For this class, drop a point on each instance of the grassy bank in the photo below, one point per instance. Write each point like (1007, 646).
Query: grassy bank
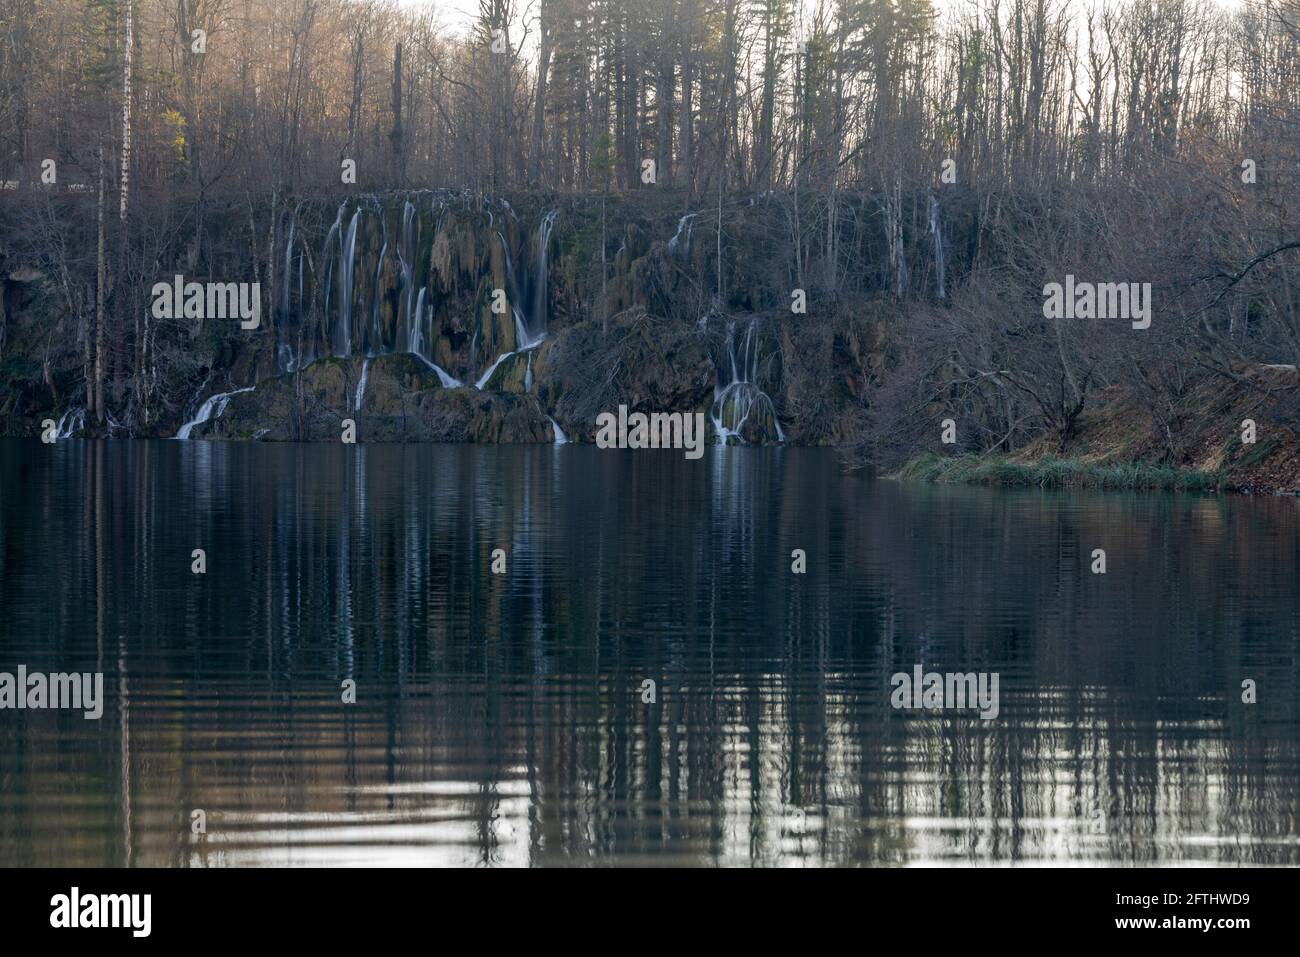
(1052, 472)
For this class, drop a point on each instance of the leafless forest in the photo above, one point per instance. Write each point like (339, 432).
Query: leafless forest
(936, 166)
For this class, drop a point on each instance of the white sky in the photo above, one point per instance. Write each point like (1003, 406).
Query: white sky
(457, 15)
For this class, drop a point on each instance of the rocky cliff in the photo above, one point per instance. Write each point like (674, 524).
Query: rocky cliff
(433, 316)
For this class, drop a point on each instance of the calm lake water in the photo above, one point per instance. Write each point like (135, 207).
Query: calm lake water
(499, 718)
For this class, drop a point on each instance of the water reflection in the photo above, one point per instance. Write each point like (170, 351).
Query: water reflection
(499, 718)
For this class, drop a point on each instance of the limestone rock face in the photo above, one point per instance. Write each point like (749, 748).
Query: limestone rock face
(646, 364)
(402, 400)
(426, 295)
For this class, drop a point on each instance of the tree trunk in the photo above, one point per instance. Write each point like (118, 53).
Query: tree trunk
(128, 43)
(686, 149)
(604, 272)
(95, 389)
(664, 121)
(395, 136)
(539, 102)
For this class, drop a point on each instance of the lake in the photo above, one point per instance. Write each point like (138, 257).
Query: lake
(509, 718)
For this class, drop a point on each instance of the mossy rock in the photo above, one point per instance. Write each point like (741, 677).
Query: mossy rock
(403, 401)
(512, 374)
(746, 411)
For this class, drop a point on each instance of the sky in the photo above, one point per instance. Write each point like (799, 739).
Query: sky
(458, 14)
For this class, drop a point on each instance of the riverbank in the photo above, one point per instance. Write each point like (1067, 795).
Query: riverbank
(1233, 432)
(1053, 472)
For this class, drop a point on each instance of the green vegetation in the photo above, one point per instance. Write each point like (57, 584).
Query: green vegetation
(1052, 472)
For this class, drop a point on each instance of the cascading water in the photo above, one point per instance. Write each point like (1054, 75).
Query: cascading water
(529, 331)
(286, 355)
(448, 381)
(69, 423)
(543, 274)
(376, 335)
(421, 340)
(415, 333)
(343, 303)
(415, 343)
(211, 409)
(486, 376)
(687, 222)
(361, 385)
(736, 394)
(114, 425)
(406, 270)
(342, 338)
(328, 257)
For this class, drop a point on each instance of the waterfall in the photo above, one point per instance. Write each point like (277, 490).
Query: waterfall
(687, 222)
(530, 329)
(376, 334)
(483, 379)
(938, 245)
(69, 423)
(418, 346)
(528, 334)
(415, 341)
(328, 256)
(342, 338)
(323, 317)
(114, 425)
(448, 381)
(406, 261)
(523, 336)
(739, 395)
(538, 323)
(306, 352)
(361, 385)
(284, 357)
(199, 391)
(283, 351)
(211, 409)
(512, 290)
(341, 304)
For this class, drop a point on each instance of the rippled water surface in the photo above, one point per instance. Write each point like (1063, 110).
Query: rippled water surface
(499, 718)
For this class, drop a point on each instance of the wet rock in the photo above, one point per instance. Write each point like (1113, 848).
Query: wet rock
(646, 364)
(403, 400)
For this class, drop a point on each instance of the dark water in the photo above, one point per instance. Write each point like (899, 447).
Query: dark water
(499, 718)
